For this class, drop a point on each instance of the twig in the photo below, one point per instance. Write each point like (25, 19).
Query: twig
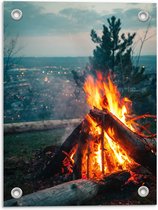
(142, 116)
(142, 42)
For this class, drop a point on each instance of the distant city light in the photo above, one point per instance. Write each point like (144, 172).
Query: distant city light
(46, 79)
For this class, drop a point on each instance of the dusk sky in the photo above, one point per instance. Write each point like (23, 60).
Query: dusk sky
(63, 29)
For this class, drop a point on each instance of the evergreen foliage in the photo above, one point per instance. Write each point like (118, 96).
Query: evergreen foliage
(113, 52)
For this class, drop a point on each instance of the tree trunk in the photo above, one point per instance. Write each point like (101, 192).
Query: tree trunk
(71, 193)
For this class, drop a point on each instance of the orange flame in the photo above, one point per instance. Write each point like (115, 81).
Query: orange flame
(103, 94)
(101, 154)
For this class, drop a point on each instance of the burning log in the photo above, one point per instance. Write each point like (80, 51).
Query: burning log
(78, 145)
(111, 141)
(71, 193)
(55, 165)
(139, 149)
(77, 169)
(102, 145)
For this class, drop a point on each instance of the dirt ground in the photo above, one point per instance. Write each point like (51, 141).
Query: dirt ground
(29, 180)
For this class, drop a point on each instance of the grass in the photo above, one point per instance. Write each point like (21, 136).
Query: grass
(24, 144)
(18, 151)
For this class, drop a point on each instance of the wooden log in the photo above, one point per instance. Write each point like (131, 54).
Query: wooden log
(55, 165)
(88, 160)
(102, 145)
(10, 128)
(77, 169)
(135, 146)
(71, 193)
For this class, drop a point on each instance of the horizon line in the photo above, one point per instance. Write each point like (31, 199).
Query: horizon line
(69, 56)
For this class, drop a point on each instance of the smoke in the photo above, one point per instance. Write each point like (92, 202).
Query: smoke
(68, 130)
(61, 97)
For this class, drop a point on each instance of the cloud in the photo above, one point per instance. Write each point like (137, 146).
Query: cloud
(35, 22)
(66, 30)
(129, 18)
(134, 22)
(81, 16)
(70, 20)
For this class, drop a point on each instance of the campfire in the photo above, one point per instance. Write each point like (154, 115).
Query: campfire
(102, 155)
(110, 138)
(109, 149)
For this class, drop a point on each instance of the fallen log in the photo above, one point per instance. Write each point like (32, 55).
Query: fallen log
(71, 193)
(138, 148)
(10, 128)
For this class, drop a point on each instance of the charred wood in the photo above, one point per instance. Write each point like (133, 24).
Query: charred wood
(54, 166)
(139, 149)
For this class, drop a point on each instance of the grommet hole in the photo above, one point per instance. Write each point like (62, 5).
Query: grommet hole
(143, 191)
(16, 192)
(143, 16)
(16, 14)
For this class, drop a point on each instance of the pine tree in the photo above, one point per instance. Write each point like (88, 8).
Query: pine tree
(113, 50)
(113, 53)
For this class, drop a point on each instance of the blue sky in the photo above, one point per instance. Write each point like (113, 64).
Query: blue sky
(63, 29)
